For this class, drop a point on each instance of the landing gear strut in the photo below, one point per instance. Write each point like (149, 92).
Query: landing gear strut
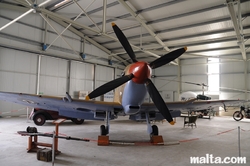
(104, 130)
(152, 130)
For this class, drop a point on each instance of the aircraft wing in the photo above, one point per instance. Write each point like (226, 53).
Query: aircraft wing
(66, 106)
(195, 105)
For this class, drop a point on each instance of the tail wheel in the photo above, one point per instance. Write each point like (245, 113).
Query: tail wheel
(39, 119)
(238, 115)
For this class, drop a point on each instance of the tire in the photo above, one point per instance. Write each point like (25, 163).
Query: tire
(77, 121)
(39, 119)
(103, 130)
(155, 130)
(238, 115)
(200, 116)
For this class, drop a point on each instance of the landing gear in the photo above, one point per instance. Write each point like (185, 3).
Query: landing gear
(103, 139)
(104, 130)
(152, 130)
(155, 130)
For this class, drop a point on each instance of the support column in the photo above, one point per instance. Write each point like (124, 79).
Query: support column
(38, 74)
(179, 78)
(246, 78)
(69, 77)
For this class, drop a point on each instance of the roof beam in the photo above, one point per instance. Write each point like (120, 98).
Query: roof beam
(104, 16)
(24, 14)
(239, 33)
(83, 10)
(78, 33)
(143, 24)
(57, 16)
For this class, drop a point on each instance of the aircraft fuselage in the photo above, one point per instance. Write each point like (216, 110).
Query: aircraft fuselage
(134, 92)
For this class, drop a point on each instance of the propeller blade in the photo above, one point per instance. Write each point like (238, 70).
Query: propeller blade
(167, 58)
(109, 86)
(159, 102)
(124, 41)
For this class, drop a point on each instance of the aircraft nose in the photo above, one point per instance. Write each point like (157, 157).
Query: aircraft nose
(141, 72)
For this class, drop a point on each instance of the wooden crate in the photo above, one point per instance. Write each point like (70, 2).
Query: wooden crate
(44, 154)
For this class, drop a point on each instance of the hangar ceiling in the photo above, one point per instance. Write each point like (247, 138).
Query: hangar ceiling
(214, 28)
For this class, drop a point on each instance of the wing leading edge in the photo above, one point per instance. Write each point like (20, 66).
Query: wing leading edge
(196, 105)
(74, 108)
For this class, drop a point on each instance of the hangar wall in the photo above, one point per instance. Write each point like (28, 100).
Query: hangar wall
(234, 74)
(26, 68)
(21, 47)
(19, 72)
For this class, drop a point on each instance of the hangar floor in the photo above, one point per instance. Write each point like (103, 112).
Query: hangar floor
(218, 136)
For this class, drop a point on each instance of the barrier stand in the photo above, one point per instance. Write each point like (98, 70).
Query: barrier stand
(53, 148)
(33, 139)
(239, 141)
(57, 122)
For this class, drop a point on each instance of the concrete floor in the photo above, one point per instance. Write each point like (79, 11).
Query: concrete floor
(209, 141)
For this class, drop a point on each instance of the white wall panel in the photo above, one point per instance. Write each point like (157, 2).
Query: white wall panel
(18, 73)
(232, 81)
(248, 81)
(232, 96)
(53, 79)
(166, 70)
(7, 59)
(6, 83)
(81, 77)
(232, 67)
(194, 69)
(190, 66)
(118, 73)
(25, 83)
(195, 79)
(165, 83)
(104, 74)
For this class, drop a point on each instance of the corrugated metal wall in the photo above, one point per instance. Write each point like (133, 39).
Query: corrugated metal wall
(232, 75)
(19, 73)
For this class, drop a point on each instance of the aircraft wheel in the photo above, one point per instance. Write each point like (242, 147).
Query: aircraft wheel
(39, 119)
(77, 121)
(155, 130)
(238, 115)
(103, 130)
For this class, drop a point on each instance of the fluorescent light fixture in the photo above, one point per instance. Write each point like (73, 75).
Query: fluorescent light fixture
(61, 3)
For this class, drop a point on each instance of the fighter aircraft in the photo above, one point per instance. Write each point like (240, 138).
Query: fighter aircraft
(132, 88)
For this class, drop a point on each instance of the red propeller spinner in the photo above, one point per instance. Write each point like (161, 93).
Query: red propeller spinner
(141, 71)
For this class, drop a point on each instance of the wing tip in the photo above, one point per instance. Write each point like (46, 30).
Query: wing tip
(113, 24)
(185, 48)
(87, 98)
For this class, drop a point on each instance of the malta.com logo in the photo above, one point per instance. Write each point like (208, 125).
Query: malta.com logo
(210, 159)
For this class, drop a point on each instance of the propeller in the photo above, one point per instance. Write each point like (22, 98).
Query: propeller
(153, 92)
(109, 86)
(167, 58)
(158, 101)
(124, 41)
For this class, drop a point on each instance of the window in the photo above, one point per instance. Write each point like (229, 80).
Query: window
(213, 76)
